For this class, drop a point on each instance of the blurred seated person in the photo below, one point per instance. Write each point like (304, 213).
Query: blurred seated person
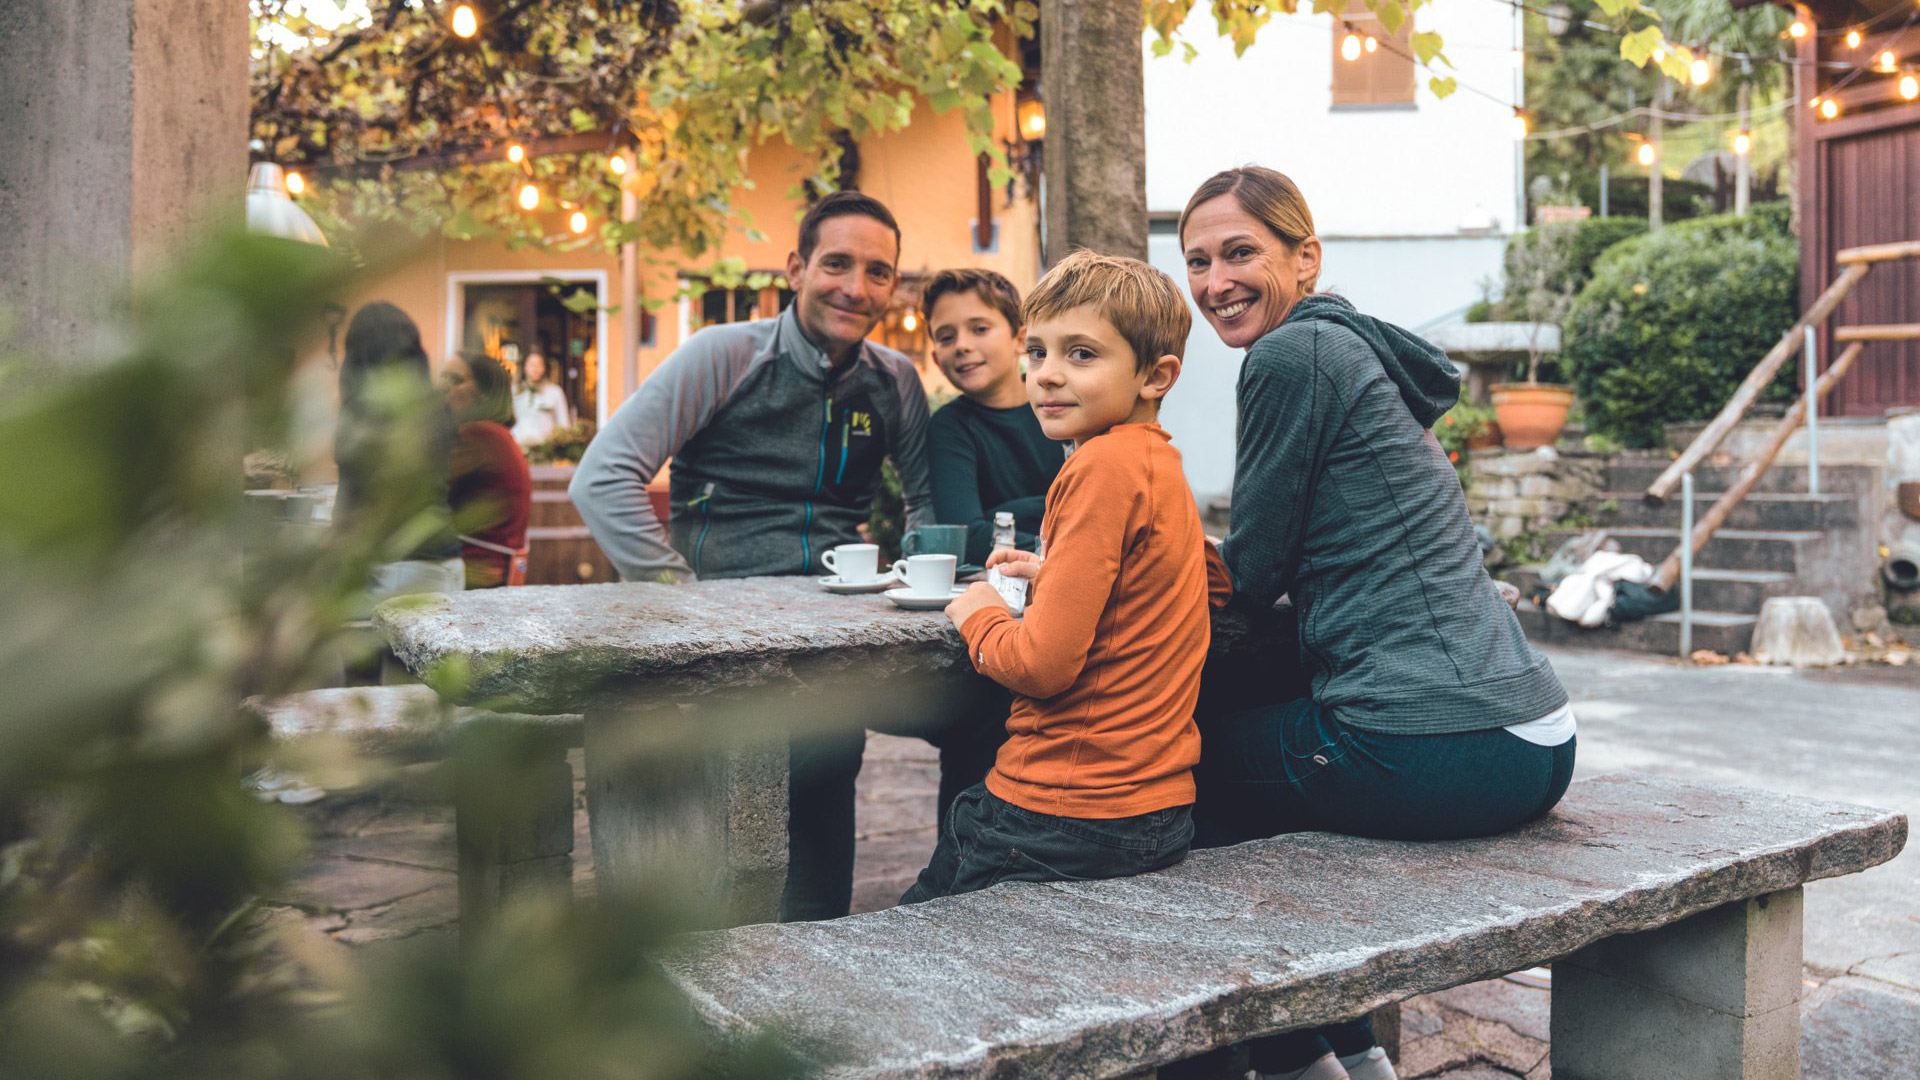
(985, 450)
(393, 448)
(491, 490)
(539, 407)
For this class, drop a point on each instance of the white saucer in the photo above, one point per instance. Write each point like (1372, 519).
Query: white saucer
(833, 584)
(913, 601)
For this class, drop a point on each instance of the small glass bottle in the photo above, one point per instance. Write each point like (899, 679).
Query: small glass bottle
(1003, 534)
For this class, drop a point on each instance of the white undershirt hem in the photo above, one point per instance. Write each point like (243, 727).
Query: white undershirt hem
(1550, 730)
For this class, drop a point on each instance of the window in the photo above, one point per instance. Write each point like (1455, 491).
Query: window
(1383, 76)
(717, 306)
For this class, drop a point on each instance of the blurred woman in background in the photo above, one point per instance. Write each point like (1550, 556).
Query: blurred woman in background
(539, 407)
(491, 488)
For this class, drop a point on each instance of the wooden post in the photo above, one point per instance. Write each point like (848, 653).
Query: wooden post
(1096, 175)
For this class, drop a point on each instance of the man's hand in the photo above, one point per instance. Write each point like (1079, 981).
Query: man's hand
(978, 596)
(1015, 563)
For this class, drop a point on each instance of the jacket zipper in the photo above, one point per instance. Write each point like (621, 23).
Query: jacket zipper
(819, 481)
(840, 476)
(705, 503)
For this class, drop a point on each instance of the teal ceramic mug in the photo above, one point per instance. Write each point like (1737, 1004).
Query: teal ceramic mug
(936, 540)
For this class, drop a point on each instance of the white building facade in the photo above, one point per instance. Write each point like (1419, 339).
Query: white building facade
(1413, 196)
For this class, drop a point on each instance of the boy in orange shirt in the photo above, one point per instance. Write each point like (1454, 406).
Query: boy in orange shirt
(1096, 777)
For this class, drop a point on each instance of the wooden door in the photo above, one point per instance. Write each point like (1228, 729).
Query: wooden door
(1869, 193)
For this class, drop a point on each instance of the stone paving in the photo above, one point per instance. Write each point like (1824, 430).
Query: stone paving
(383, 865)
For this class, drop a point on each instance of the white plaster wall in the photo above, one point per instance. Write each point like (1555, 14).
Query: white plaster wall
(1432, 169)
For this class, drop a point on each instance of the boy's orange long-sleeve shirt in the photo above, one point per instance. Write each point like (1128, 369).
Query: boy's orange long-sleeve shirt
(1105, 668)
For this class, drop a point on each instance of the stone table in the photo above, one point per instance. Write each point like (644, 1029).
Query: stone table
(690, 692)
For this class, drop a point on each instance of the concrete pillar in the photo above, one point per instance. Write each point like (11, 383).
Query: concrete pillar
(513, 798)
(677, 811)
(1712, 997)
(125, 134)
(1096, 158)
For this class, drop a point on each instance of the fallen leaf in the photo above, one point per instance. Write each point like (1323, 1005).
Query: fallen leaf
(1708, 658)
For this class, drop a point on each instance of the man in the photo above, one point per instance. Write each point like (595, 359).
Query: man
(777, 430)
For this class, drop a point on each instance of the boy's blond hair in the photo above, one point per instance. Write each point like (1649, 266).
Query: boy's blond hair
(1142, 303)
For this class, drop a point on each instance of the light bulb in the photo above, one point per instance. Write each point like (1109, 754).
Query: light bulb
(1350, 47)
(466, 21)
(1798, 29)
(1699, 71)
(1742, 143)
(1659, 54)
(1646, 154)
(1888, 62)
(516, 153)
(529, 197)
(1853, 39)
(296, 183)
(1909, 87)
(578, 222)
(1829, 108)
(1371, 43)
(909, 322)
(617, 165)
(1519, 125)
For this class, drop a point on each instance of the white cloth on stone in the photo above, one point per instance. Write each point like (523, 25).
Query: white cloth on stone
(1586, 595)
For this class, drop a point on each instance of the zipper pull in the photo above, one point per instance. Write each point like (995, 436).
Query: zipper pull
(706, 492)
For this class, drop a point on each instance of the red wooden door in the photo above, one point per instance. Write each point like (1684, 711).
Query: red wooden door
(1869, 193)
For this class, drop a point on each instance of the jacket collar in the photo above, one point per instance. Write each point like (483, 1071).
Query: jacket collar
(794, 344)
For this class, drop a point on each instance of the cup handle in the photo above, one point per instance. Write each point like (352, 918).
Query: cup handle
(910, 543)
(826, 560)
(900, 570)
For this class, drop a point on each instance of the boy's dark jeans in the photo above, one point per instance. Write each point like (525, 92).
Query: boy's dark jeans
(1292, 767)
(985, 840)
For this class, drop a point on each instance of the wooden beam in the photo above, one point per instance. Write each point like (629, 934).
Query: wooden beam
(1716, 432)
(1703, 529)
(1906, 332)
(1905, 249)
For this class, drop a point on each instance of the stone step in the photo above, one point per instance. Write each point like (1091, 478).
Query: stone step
(1737, 591)
(1634, 473)
(1730, 549)
(1759, 510)
(1721, 631)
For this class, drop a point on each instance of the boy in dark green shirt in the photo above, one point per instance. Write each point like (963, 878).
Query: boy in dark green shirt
(985, 450)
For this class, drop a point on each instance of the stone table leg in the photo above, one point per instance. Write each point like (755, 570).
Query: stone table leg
(513, 819)
(673, 808)
(1712, 997)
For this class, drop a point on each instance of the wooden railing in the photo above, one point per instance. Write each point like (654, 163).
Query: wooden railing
(1856, 262)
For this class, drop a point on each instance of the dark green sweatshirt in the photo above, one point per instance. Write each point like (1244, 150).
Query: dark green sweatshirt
(1344, 501)
(981, 461)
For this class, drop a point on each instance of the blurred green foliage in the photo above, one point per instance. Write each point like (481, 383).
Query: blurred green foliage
(146, 598)
(1672, 322)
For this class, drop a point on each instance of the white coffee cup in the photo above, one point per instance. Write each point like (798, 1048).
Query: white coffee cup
(927, 575)
(853, 562)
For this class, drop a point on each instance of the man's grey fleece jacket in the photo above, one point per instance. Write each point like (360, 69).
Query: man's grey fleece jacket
(776, 457)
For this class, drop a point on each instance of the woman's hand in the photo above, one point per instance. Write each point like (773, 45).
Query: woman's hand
(978, 596)
(1014, 563)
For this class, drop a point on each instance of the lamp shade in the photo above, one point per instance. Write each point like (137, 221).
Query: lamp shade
(271, 211)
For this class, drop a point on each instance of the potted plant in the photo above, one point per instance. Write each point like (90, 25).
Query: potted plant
(1532, 413)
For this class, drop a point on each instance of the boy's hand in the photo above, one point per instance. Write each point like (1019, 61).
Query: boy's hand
(978, 596)
(1015, 564)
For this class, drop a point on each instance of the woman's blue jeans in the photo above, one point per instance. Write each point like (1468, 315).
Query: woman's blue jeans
(1292, 767)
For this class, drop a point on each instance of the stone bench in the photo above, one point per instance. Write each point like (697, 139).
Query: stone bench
(513, 787)
(1670, 911)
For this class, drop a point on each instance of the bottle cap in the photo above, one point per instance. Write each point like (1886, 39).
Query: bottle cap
(1004, 518)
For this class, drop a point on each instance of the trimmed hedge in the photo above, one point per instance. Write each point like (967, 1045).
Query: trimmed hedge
(1671, 322)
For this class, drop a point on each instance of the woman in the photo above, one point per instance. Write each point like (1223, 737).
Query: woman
(392, 447)
(1430, 717)
(539, 407)
(491, 490)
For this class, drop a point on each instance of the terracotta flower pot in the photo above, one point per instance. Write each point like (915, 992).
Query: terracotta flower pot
(1487, 437)
(1531, 414)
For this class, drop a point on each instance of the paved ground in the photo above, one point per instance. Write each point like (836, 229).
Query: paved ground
(384, 866)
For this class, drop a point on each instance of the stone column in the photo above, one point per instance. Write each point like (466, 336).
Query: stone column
(513, 798)
(1712, 997)
(126, 133)
(1096, 159)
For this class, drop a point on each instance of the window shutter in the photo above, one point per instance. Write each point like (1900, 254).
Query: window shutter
(1384, 76)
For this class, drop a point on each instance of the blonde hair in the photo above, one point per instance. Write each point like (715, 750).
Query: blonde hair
(1269, 196)
(1139, 301)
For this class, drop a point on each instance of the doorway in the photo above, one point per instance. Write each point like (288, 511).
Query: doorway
(510, 315)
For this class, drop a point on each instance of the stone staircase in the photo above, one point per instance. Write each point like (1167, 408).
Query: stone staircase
(1780, 541)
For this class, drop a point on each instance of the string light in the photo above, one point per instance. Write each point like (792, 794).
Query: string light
(296, 184)
(1371, 43)
(1350, 46)
(1659, 55)
(1519, 125)
(516, 153)
(1646, 155)
(578, 222)
(1798, 29)
(1742, 143)
(1699, 71)
(1829, 108)
(909, 322)
(1909, 87)
(1853, 39)
(1888, 62)
(617, 165)
(466, 21)
(529, 197)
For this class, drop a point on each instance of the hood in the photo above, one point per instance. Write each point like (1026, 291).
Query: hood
(1427, 380)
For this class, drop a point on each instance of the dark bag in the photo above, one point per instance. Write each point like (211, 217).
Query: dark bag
(1633, 601)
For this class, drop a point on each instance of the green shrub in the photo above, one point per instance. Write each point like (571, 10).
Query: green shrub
(1567, 269)
(1671, 322)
